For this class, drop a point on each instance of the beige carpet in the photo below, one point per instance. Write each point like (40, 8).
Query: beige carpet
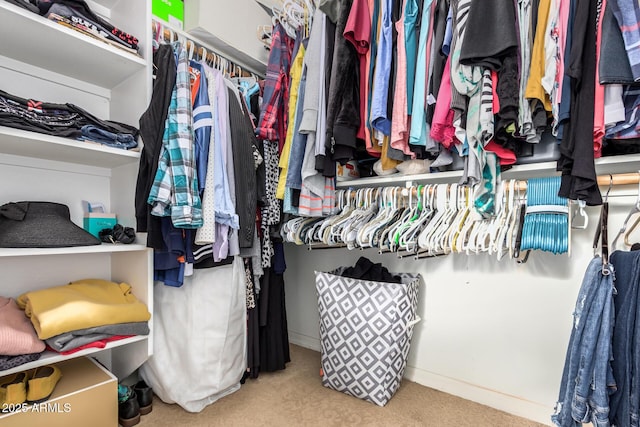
(296, 397)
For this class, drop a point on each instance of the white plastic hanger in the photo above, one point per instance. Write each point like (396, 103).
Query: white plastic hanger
(424, 239)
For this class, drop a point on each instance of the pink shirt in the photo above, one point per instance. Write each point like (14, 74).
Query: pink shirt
(442, 129)
(563, 18)
(357, 30)
(400, 115)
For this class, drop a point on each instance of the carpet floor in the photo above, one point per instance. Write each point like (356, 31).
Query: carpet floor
(296, 397)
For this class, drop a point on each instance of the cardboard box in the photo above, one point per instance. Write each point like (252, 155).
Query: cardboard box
(170, 11)
(86, 395)
(95, 222)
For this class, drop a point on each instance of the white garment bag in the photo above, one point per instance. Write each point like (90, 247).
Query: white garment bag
(199, 337)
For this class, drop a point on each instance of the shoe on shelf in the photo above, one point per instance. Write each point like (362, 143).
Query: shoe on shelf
(128, 407)
(13, 390)
(42, 383)
(145, 397)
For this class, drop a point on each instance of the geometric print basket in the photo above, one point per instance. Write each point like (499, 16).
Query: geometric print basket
(365, 333)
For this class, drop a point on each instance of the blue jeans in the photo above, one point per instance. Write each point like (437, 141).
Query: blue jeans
(587, 378)
(117, 140)
(626, 351)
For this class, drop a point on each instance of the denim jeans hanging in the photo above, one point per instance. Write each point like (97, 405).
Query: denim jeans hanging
(587, 378)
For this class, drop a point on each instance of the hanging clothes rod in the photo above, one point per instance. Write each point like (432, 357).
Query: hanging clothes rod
(630, 178)
(604, 180)
(232, 68)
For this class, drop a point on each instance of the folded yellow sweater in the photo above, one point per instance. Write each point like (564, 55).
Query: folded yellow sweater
(81, 304)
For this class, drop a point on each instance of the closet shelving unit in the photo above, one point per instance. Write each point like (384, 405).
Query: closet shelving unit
(604, 165)
(42, 60)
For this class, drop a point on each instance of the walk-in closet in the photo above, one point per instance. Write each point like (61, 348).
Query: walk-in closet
(319, 212)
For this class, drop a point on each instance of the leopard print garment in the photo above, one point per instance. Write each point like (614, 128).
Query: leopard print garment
(270, 212)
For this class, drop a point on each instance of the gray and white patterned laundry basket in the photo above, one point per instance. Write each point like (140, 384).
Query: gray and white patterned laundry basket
(365, 333)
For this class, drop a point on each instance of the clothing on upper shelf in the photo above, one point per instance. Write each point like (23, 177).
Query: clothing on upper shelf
(81, 15)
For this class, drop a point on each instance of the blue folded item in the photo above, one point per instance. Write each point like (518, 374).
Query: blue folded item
(126, 141)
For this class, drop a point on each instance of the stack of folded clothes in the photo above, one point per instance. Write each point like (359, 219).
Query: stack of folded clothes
(85, 313)
(19, 343)
(77, 15)
(64, 120)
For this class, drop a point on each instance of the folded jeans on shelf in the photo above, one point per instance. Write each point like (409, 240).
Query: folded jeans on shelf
(125, 141)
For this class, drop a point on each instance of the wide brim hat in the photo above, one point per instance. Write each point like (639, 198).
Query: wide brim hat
(40, 225)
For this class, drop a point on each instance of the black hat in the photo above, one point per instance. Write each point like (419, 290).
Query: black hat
(40, 225)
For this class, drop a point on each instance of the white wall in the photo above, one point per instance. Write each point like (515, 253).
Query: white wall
(495, 332)
(230, 26)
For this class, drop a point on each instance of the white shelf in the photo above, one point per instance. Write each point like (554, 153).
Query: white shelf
(604, 165)
(49, 357)
(44, 60)
(41, 146)
(76, 250)
(33, 39)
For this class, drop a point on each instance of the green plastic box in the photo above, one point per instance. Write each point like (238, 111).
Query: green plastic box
(171, 11)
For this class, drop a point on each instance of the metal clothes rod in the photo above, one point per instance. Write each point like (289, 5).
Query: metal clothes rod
(603, 181)
(202, 49)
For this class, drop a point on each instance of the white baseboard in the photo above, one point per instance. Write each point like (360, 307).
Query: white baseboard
(494, 399)
(305, 341)
(514, 405)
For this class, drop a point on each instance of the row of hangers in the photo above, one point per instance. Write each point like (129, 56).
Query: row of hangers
(292, 15)
(419, 222)
(434, 220)
(197, 51)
